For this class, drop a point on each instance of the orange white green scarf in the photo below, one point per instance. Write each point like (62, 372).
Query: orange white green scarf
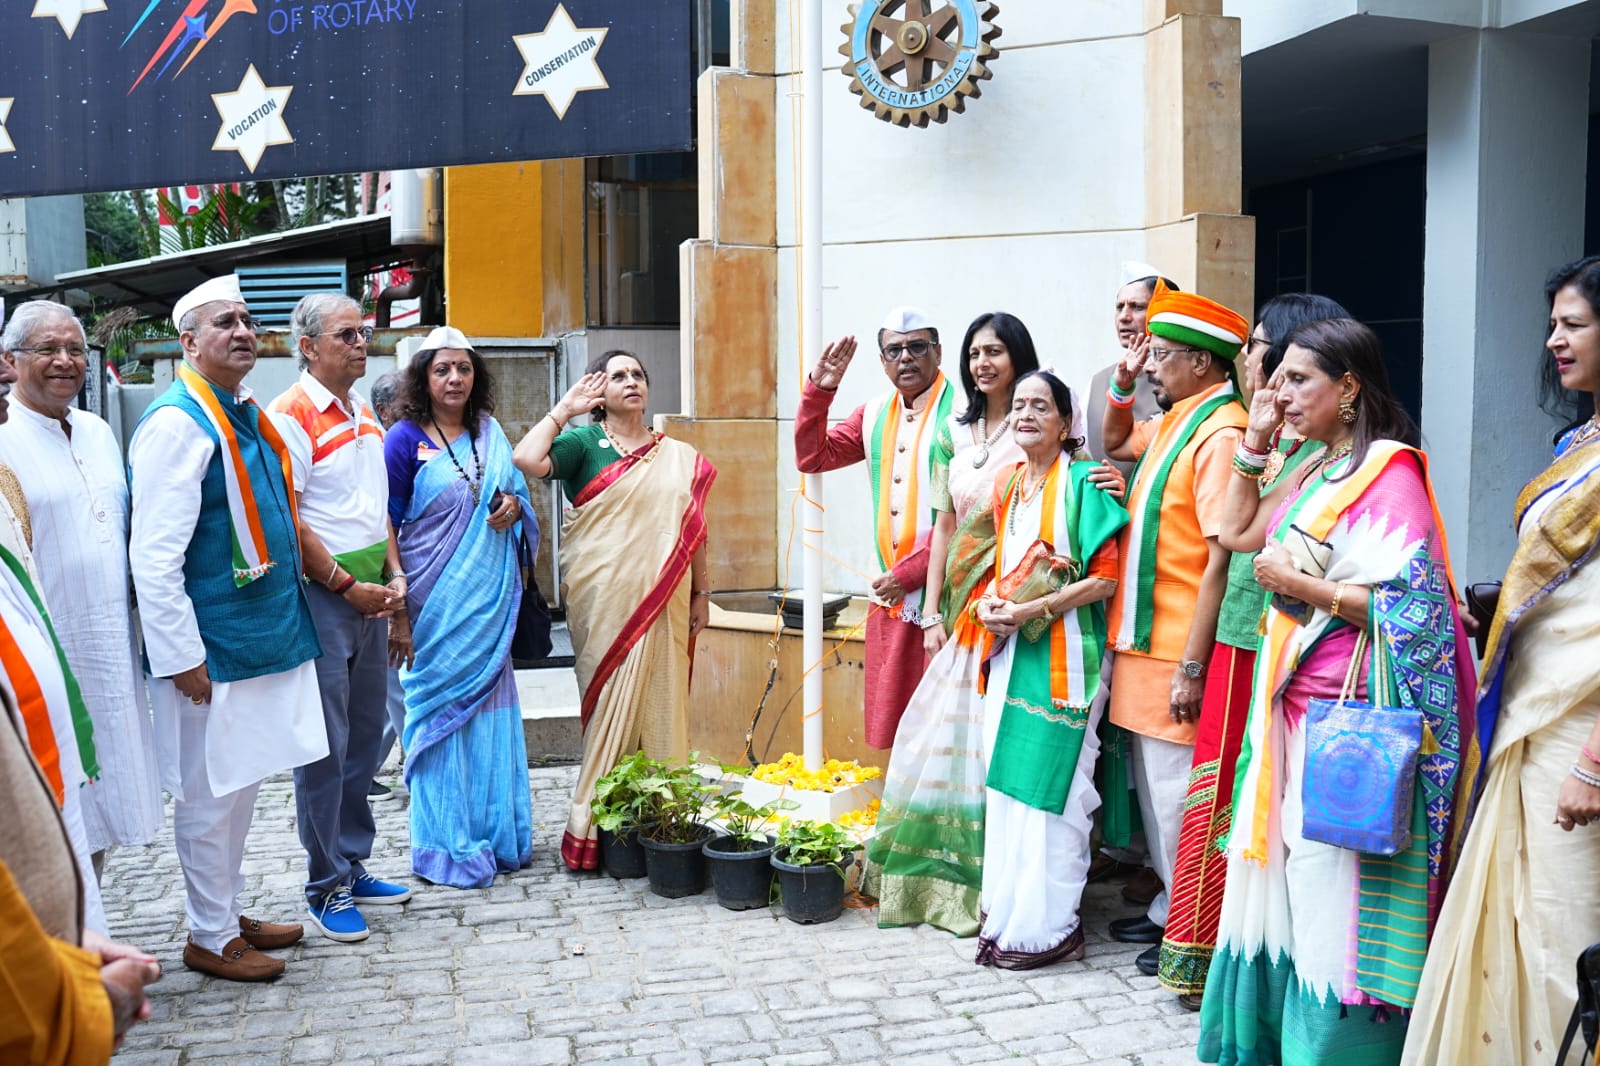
(250, 556)
(883, 422)
(1146, 488)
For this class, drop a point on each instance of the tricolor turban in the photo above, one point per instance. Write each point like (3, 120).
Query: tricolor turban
(1195, 322)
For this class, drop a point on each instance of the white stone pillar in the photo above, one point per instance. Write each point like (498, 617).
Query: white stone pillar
(1507, 147)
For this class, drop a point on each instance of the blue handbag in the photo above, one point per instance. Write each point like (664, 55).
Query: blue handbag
(1361, 766)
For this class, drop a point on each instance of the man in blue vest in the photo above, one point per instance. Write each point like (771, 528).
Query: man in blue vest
(216, 565)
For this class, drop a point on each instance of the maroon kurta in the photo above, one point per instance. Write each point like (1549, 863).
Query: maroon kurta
(894, 659)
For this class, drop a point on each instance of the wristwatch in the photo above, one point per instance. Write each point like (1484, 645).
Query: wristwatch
(1193, 670)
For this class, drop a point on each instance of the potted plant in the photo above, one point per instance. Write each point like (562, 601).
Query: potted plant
(672, 832)
(620, 799)
(738, 858)
(809, 858)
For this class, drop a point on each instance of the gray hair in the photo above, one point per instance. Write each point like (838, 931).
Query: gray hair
(385, 390)
(29, 316)
(311, 316)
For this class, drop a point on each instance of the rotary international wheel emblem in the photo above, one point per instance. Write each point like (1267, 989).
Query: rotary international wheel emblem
(911, 65)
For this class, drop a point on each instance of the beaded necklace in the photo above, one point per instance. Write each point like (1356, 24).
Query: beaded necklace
(476, 487)
(655, 438)
(986, 440)
(1020, 496)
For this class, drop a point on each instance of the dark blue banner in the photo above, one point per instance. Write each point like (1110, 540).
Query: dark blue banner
(123, 94)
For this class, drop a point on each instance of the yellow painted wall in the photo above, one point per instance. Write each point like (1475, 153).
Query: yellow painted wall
(493, 252)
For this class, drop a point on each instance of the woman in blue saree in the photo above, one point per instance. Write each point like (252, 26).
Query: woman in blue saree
(456, 502)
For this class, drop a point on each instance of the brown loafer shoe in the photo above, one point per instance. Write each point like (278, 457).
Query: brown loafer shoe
(268, 936)
(1190, 1001)
(238, 962)
(1142, 888)
(1103, 866)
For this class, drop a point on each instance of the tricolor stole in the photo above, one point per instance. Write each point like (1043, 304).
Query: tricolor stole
(1146, 488)
(250, 556)
(896, 535)
(31, 707)
(1053, 681)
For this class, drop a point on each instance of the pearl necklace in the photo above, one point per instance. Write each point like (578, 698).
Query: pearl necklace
(1020, 496)
(987, 440)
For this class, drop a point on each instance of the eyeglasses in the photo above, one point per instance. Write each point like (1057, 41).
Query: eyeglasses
(1161, 355)
(74, 352)
(916, 349)
(350, 335)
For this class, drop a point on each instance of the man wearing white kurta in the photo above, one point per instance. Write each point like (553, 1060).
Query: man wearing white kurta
(229, 638)
(69, 466)
(336, 450)
(31, 665)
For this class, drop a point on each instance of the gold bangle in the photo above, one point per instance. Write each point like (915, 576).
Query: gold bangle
(1338, 594)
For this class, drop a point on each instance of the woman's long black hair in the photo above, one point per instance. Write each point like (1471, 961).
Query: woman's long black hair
(1018, 341)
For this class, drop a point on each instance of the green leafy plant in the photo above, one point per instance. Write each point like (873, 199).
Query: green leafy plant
(623, 796)
(674, 803)
(744, 823)
(813, 844)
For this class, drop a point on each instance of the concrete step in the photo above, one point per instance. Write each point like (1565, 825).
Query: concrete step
(550, 721)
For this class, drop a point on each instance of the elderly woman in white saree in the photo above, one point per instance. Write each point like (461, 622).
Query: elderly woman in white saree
(1055, 566)
(633, 574)
(1499, 981)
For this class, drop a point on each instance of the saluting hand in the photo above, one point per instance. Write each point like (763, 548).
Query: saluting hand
(1266, 409)
(585, 394)
(1133, 361)
(833, 362)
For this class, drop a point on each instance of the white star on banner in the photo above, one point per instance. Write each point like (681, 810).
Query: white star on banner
(252, 118)
(66, 12)
(5, 113)
(561, 61)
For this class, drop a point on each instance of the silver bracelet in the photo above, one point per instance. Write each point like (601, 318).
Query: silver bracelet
(931, 619)
(1585, 776)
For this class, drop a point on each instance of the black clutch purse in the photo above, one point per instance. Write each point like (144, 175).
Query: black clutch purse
(1483, 599)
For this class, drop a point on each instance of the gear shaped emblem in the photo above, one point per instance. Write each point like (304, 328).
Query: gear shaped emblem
(911, 65)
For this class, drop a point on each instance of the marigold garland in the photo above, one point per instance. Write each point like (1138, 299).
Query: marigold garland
(830, 777)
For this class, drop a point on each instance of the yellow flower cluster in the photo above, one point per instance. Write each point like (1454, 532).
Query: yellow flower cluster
(860, 817)
(832, 776)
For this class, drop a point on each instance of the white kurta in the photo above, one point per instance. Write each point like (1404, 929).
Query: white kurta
(33, 640)
(77, 497)
(255, 727)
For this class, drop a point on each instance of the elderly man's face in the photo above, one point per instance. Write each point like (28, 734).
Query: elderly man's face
(50, 365)
(222, 345)
(332, 361)
(910, 360)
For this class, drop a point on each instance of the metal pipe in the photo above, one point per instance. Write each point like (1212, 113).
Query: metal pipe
(811, 512)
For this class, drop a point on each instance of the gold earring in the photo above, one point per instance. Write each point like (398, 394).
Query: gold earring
(1347, 410)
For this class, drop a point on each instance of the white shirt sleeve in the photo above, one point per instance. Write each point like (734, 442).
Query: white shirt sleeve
(167, 457)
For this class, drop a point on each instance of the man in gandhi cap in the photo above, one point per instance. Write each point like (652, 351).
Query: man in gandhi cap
(216, 566)
(1133, 302)
(894, 434)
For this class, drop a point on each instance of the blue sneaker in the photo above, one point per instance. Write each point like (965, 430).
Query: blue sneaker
(371, 891)
(337, 918)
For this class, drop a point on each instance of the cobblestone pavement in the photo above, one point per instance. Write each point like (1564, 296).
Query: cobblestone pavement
(550, 967)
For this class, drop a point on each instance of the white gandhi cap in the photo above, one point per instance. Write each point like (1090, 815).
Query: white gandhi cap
(223, 288)
(907, 320)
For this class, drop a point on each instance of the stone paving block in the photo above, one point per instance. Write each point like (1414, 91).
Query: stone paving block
(523, 1053)
(678, 1058)
(1129, 1038)
(856, 1045)
(736, 1001)
(1041, 1020)
(806, 1058)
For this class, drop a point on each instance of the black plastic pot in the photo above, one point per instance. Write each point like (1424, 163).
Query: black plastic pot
(742, 879)
(676, 870)
(621, 853)
(810, 894)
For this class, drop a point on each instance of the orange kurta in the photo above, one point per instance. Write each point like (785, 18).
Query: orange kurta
(1191, 512)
